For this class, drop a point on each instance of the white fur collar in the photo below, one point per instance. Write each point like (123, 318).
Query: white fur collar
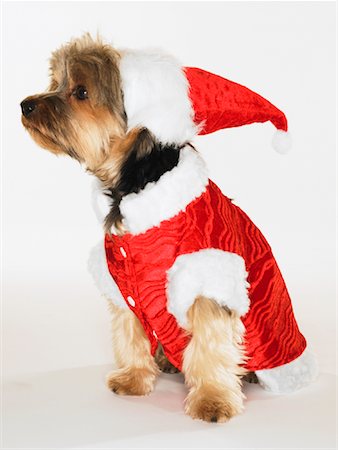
(156, 95)
(164, 199)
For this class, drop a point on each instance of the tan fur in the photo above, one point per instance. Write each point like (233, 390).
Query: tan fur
(212, 362)
(109, 169)
(137, 369)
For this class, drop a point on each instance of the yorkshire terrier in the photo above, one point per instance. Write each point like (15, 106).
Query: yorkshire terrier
(191, 282)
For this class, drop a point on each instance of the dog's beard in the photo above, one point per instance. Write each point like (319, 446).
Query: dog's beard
(44, 139)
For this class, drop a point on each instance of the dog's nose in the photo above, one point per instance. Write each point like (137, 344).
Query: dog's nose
(27, 107)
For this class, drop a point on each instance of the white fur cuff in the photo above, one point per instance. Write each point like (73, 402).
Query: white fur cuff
(289, 377)
(212, 273)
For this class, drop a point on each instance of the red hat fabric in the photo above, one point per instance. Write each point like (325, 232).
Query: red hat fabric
(220, 103)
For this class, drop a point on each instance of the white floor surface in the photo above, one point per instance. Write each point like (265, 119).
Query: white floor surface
(74, 409)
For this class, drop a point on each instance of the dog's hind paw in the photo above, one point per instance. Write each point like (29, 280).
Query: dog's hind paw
(250, 377)
(163, 363)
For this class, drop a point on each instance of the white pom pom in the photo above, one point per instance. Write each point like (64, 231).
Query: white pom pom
(282, 142)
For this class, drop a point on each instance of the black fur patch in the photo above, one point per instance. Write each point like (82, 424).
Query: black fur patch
(138, 170)
(147, 161)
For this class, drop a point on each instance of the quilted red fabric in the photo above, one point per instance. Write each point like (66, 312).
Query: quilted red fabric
(138, 264)
(220, 103)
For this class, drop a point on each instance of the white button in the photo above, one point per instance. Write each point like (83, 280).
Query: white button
(155, 335)
(123, 252)
(130, 300)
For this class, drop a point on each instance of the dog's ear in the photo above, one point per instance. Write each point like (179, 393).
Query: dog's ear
(142, 145)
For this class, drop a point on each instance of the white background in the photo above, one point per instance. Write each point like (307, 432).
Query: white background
(53, 318)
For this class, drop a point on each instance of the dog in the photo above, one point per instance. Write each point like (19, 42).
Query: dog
(191, 282)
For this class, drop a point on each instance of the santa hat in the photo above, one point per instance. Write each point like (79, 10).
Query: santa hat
(177, 103)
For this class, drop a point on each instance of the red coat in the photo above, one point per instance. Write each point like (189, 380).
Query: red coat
(139, 265)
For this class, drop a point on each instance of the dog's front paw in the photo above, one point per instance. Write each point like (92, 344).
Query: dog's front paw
(211, 404)
(131, 381)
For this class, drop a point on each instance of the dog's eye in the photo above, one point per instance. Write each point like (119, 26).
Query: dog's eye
(81, 93)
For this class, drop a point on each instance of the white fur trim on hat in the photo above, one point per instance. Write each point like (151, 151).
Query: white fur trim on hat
(165, 198)
(98, 268)
(211, 273)
(290, 377)
(156, 95)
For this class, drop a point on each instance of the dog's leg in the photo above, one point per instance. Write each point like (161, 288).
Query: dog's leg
(212, 362)
(137, 369)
